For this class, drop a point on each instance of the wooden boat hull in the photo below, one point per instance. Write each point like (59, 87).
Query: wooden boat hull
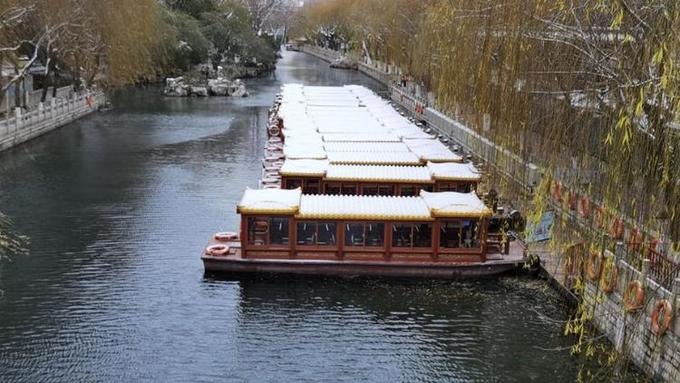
(359, 268)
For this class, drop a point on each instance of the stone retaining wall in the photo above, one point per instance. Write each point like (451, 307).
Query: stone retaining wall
(631, 334)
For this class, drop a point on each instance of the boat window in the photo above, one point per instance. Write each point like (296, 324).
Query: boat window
(354, 234)
(327, 234)
(422, 235)
(332, 189)
(402, 234)
(258, 231)
(375, 234)
(349, 189)
(450, 234)
(293, 183)
(370, 189)
(278, 231)
(306, 233)
(385, 190)
(408, 190)
(428, 188)
(312, 187)
(460, 234)
(470, 234)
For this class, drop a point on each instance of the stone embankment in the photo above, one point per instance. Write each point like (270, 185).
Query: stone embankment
(629, 331)
(20, 126)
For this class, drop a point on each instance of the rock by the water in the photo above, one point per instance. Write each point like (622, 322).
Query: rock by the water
(345, 63)
(219, 87)
(176, 87)
(199, 91)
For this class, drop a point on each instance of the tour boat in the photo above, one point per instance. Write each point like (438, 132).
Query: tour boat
(433, 234)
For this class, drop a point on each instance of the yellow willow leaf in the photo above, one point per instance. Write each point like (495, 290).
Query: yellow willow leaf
(617, 20)
(639, 108)
(658, 56)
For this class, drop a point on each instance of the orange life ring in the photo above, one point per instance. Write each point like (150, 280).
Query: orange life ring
(226, 236)
(599, 217)
(635, 239)
(557, 191)
(217, 250)
(584, 207)
(274, 130)
(610, 276)
(616, 228)
(634, 298)
(574, 262)
(594, 266)
(660, 328)
(571, 200)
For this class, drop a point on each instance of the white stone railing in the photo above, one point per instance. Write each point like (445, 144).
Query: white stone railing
(20, 126)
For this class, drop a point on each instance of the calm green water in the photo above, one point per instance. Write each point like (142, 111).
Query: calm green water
(118, 207)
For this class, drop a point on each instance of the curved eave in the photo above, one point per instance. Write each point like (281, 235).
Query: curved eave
(483, 214)
(372, 217)
(246, 210)
(440, 159)
(373, 179)
(302, 174)
(464, 179)
(388, 163)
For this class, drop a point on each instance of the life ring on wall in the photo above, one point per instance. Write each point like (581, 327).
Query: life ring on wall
(594, 265)
(557, 191)
(660, 328)
(634, 298)
(599, 217)
(570, 200)
(610, 277)
(273, 131)
(635, 239)
(584, 207)
(226, 236)
(217, 250)
(616, 228)
(573, 263)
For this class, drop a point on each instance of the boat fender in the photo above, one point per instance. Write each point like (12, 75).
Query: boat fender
(217, 250)
(594, 266)
(610, 277)
(225, 236)
(634, 298)
(659, 328)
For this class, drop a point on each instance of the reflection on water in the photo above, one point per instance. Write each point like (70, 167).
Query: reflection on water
(118, 207)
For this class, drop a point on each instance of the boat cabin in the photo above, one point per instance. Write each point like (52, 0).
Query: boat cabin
(438, 227)
(323, 177)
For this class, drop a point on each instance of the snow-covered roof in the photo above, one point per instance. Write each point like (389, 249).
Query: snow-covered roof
(360, 137)
(363, 207)
(452, 204)
(304, 167)
(304, 151)
(269, 201)
(378, 173)
(454, 171)
(425, 207)
(375, 158)
(432, 150)
(375, 147)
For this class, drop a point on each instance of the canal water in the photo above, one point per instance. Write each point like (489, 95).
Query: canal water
(118, 207)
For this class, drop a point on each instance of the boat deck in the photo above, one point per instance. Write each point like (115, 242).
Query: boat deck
(496, 263)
